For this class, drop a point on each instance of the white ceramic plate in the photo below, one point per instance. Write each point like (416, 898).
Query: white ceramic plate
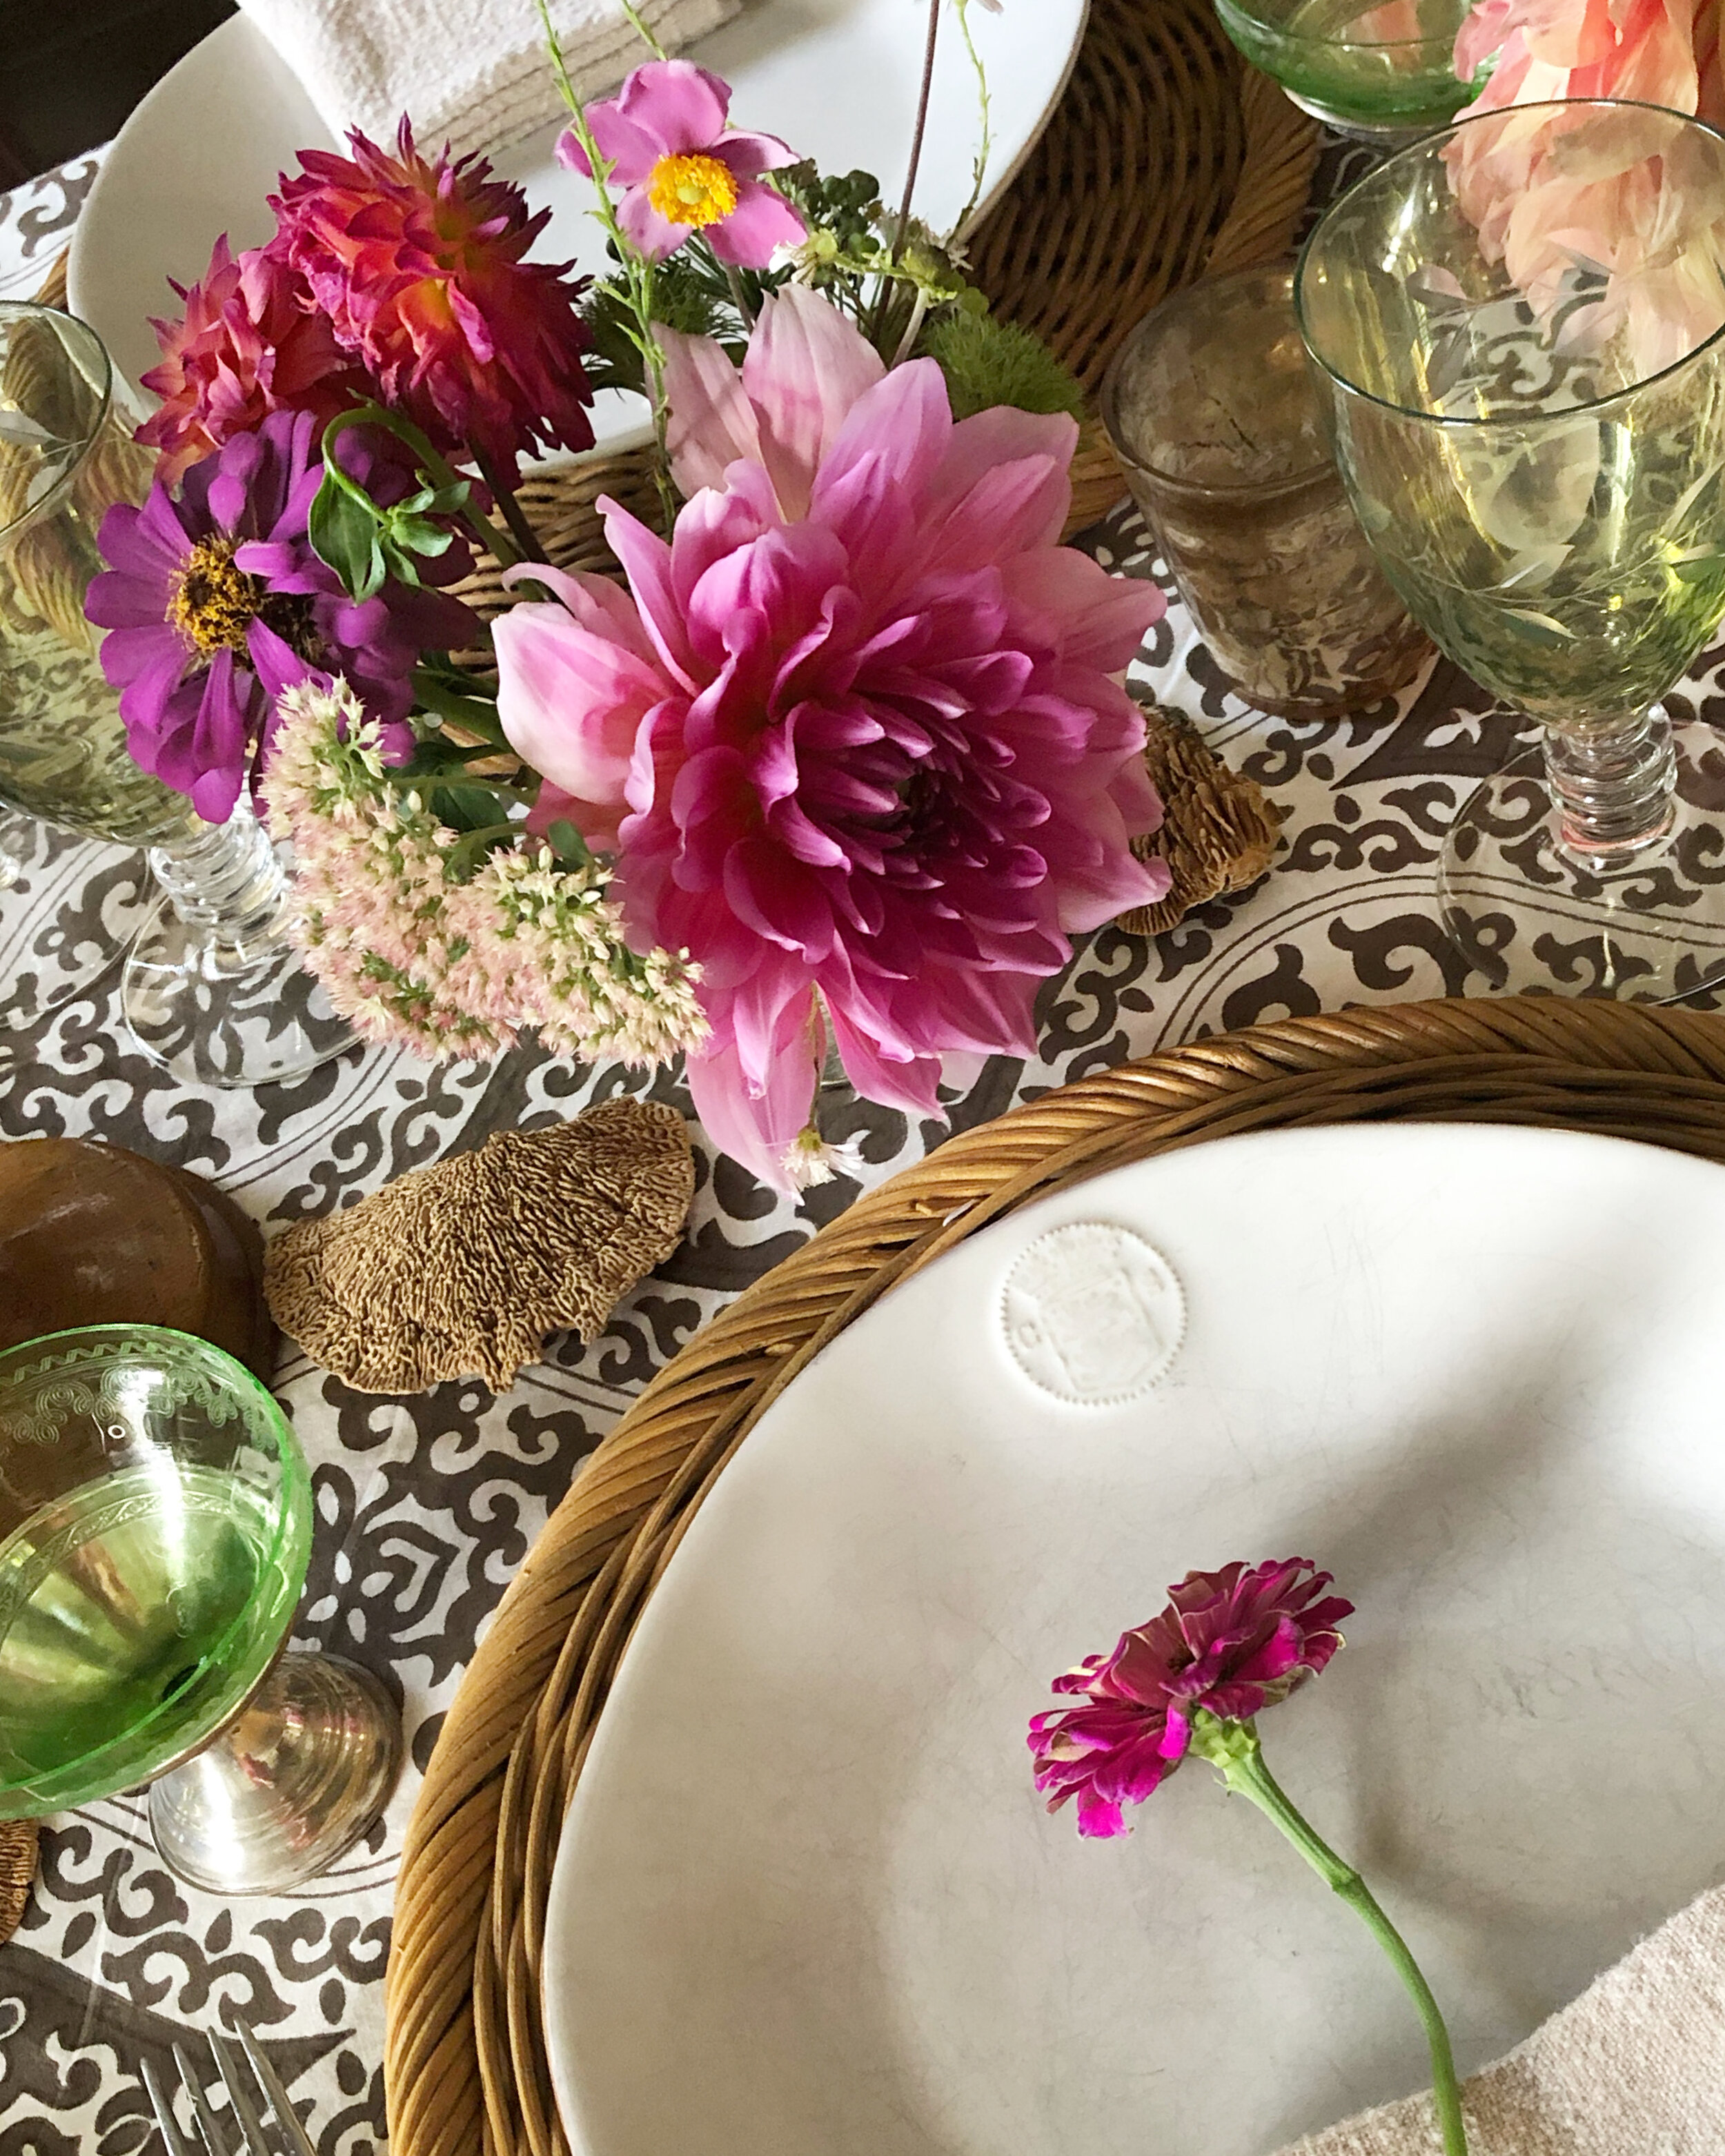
(806, 1902)
(836, 79)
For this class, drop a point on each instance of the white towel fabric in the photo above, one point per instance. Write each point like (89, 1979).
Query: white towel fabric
(1635, 2067)
(474, 73)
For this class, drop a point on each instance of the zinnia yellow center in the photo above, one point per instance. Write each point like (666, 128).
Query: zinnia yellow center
(215, 600)
(691, 190)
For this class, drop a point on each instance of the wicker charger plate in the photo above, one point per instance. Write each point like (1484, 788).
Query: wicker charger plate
(465, 2062)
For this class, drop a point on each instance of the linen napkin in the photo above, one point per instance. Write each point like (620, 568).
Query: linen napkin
(474, 73)
(1635, 2066)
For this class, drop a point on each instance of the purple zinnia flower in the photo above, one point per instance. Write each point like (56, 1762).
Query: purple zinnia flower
(216, 603)
(1231, 1642)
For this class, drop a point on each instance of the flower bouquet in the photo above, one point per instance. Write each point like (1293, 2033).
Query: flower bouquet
(840, 764)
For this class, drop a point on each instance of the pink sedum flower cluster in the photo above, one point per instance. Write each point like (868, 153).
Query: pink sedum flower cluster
(1230, 1642)
(854, 732)
(418, 957)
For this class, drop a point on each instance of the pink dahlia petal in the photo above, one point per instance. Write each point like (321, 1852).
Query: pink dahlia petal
(902, 426)
(753, 1118)
(647, 562)
(762, 223)
(570, 698)
(1066, 599)
(710, 421)
(805, 368)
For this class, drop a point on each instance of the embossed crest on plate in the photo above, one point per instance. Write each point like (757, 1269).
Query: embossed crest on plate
(1092, 1314)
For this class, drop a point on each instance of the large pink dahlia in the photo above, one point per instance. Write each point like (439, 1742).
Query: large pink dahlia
(1232, 1643)
(856, 736)
(419, 266)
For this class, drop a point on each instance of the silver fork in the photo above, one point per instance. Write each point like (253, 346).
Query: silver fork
(252, 2139)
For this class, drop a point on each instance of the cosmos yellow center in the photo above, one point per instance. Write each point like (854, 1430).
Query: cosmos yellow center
(215, 601)
(691, 190)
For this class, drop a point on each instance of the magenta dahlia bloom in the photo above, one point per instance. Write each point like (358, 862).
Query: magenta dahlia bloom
(855, 735)
(1231, 1642)
(685, 169)
(418, 265)
(251, 341)
(216, 603)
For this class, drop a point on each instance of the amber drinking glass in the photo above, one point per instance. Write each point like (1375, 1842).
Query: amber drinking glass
(1215, 419)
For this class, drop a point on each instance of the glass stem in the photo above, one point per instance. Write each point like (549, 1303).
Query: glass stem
(1613, 784)
(1232, 1747)
(225, 882)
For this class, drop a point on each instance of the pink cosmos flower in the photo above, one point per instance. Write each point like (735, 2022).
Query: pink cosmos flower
(683, 169)
(1231, 1642)
(854, 734)
(419, 266)
(250, 342)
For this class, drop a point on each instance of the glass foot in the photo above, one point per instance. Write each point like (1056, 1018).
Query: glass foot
(289, 1786)
(220, 1013)
(1383, 135)
(1533, 920)
(68, 907)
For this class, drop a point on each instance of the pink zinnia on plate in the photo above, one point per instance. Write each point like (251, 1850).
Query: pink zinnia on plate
(856, 734)
(1230, 1642)
(683, 168)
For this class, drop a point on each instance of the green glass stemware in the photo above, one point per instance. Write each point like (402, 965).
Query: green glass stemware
(1519, 327)
(156, 1520)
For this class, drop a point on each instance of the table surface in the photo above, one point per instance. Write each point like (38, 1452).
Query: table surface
(426, 1506)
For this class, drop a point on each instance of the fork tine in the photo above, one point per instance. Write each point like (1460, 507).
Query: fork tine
(251, 2127)
(286, 2118)
(208, 2131)
(172, 2139)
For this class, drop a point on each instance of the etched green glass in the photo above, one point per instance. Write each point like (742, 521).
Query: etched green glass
(1537, 466)
(155, 1527)
(1378, 71)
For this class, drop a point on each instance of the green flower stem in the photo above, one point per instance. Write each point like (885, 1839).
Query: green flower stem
(642, 32)
(1233, 1749)
(437, 468)
(638, 270)
(985, 138)
(528, 540)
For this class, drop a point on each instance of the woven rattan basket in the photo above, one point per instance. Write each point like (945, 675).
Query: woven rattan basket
(465, 2061)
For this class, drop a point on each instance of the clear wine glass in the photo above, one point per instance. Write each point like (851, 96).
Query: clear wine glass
(212, 988)
(155, 1525)
(1520, 326)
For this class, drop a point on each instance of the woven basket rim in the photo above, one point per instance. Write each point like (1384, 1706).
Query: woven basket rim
(498, 1781)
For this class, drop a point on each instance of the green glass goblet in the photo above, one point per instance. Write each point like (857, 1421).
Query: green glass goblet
(155, 1525)
(1382, 72)
(1535, 448)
